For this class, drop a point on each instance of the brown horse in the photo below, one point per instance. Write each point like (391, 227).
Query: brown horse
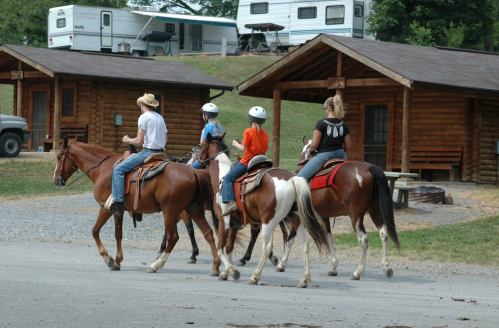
(280, 194)
(361, 188)
(177, 188)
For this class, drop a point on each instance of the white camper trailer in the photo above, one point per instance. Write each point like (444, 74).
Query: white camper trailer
(142, 33)
(303, 20)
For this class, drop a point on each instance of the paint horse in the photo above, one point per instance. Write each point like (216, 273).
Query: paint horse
(176, 188)
(357, 188)
(280, 194)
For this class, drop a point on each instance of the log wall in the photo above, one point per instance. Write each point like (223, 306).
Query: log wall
(489, 134)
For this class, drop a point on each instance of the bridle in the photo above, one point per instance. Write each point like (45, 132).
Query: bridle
(212, 157)
(74, 167)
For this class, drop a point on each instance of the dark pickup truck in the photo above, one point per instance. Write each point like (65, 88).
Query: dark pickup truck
(13, 133)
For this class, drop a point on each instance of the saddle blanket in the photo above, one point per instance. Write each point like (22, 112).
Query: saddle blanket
(326, 180)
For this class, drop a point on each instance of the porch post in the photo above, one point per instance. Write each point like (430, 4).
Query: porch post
(339, 92)
(57, 113)
(276, 132)
(406, 130)
(19, 100)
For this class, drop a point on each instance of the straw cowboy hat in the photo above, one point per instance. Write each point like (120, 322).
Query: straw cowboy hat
(147, 99)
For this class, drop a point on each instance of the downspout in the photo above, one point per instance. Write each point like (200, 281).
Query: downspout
(216, 96)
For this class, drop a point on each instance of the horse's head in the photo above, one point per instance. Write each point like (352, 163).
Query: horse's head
(305, 154)
(64, 167)
(211, 148)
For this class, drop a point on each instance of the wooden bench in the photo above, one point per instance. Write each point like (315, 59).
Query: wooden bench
(402, 197)
(78, 131)
(433, 158)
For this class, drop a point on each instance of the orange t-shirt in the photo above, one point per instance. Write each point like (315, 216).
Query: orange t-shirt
(256, 143)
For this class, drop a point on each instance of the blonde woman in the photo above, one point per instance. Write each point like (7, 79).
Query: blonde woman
(331, 138)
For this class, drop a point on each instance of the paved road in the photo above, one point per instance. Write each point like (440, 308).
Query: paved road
(60, 285)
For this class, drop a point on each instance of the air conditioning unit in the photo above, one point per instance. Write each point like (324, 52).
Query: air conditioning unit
(149, 8)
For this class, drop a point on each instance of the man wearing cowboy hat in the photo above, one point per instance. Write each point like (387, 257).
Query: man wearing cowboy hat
(152, 136)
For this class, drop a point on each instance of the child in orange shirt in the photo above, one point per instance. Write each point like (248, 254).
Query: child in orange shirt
(255, 142)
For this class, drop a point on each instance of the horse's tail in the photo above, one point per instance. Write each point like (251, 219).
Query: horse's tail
(385, 201)
(309, 217)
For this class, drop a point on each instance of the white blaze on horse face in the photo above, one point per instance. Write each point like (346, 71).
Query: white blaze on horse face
(358, 177)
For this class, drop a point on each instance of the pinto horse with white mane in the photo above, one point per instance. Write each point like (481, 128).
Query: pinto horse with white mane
(176, 188)
(280, 194)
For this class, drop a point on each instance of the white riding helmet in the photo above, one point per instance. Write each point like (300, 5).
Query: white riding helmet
(210, 109)
(257, 114)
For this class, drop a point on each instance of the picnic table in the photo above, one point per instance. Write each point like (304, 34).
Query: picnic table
(403, 191)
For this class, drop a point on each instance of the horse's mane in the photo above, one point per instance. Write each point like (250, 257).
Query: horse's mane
(222, 147)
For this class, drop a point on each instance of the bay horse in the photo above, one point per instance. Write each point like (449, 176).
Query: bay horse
(359, 188)
(280, 194)
(177, 188)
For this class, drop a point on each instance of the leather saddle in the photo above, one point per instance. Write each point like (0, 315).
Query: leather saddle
(328, 166)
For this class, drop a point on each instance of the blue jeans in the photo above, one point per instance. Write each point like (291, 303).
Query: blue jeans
(228, 185)
(123, 168)
(196, 165)
(315, 163)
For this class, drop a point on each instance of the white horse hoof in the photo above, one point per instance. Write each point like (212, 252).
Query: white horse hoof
(302, 285)
(279, 269)
(151, 270)
(354, 277)
(252, 281)
(222, 276)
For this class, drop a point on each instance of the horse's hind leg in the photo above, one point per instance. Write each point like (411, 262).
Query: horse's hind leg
(334, 261)
(101, 221)
(227, 257)
(205, 228)
(375, 213)
(163, 246)
(295, 222)
(172, 238)
(267, 244)
(118, 234)
(255, 231)
(190, 230)
(363, 240)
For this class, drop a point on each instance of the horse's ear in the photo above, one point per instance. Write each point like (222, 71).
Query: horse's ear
(223, 136)
(305, 141)
(65, 142)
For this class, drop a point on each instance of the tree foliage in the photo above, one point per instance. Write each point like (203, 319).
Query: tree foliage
(436, 22)
(214, 8)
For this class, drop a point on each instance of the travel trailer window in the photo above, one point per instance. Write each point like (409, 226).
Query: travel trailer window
(259, 8)
(359, 10)
(335, 15)
(107, 20)
(169, 27)
(61, 22)
(68, 103)
(307, 12)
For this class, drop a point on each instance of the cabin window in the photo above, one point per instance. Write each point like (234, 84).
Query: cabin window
(259, 8)
(359, 11)
(169, 27)
(69, 103)
(335, 15)
(307, 12)
(61, 22)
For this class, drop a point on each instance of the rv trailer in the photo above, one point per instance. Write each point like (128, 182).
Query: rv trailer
(146, 32)
(303, 20)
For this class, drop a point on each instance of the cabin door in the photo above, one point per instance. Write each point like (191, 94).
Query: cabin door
(376, 135)
(358, 19)
(106, 30)
(38, 116)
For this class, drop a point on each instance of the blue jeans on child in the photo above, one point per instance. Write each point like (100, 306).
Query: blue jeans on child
(123, 168)
(315, 163)
(228, 184)
(196, 165)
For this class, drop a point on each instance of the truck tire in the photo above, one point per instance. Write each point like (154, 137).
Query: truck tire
(10, 145)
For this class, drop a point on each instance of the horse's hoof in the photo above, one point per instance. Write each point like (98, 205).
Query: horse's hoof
(115, 267)
(222, 277)
(302, 285)
(236, 275)
(252, 282)
(191, 261)
(279, 269)
(274, 261)
(332, 274)
(151, 270)
(109, 261)
(388, 272)
(214, 273)
(354, 277)
(241, 263)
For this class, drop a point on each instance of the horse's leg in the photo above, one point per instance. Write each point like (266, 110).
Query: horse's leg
(255, 231)
(267, 244)
(162, 247)
(302, 238)
(190, 230)
(375, 213)
(118, 235)
(225, 253)
(205, 228)
(334, 261)
(363, 240)
(101, 220)
(172, 238)
(295, 222)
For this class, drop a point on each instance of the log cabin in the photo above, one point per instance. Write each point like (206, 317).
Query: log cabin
(429, 110)
(93, 96)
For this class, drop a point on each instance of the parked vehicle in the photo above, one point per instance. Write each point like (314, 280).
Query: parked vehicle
(147, 32)
(13, 133)
(303, 20)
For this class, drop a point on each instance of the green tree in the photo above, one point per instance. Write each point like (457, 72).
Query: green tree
(214, 8)
(427, 22)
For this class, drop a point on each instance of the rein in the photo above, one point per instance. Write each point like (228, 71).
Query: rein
(189, 153)
(214, 156)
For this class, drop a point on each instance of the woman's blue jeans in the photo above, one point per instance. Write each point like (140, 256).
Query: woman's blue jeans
(315, 163)
(123, 168)
(228, 184)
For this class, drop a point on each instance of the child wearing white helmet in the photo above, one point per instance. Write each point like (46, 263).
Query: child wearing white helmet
(255, 142)
(210, 113)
